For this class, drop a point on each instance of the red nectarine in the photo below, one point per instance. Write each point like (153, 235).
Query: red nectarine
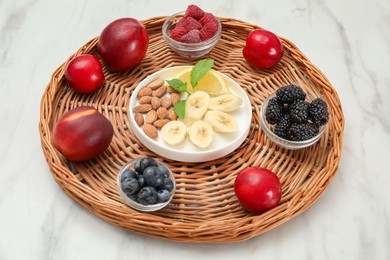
(82, 133)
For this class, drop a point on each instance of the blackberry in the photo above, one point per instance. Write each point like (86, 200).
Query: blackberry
(288, 94)
(273, 113)
(299, 111)
(318, 112)
(283, 127)
(302, 131)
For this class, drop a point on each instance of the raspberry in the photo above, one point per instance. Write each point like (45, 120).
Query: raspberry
(194, 12)
(192, 36)
(210, 20)
(207, 32)
(189, 23)
(178, 32)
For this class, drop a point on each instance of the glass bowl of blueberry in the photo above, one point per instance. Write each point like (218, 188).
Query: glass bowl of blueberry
(292, 118)
(146, 184)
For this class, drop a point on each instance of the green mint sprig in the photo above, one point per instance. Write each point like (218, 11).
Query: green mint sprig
(197, 73)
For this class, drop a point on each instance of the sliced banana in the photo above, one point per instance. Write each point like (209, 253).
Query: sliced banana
(201, 134)
(196, 106)
(221, 121)
(174, 132)
(225, 103)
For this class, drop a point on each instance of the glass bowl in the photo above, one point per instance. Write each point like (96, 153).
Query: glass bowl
(188, 50)
(138, 206)
(292, 145)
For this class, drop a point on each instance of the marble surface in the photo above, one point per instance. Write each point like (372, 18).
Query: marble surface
(348, 40)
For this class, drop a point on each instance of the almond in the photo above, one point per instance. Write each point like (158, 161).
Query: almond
(159, 92)
(175, 97)
(145, 92)
(172, 115)
(145, 100)
(151, 116)
(160, 123)
(143, 108)
(155, 101)
(166, 102)
(162, 112)
(150, 131)
(139, 119)
(156, 84)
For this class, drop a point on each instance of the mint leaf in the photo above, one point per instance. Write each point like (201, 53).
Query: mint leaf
(178, 85)
(180, 108)
(200, 70)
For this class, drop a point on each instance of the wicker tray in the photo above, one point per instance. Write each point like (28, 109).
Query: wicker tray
(204, 207)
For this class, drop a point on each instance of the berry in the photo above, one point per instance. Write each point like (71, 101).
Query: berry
(144, 163)
(127, 174)
(194, 12)
(163, 196)
(209, 19)
(168, 184)
(318, 112)
(130, 186)
(133, 197)
(282, 128)
(273, 113)
(299, 111)
(302, 131)
(147, 196)
(192, 36)
(164, 170)
(153, 176)
(178, 32)
(207, 32)
(189, 23)
(141, 180)
(288, 94)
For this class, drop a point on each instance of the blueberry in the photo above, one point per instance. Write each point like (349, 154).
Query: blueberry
(141, 180)
(147, 196)
(130, 186)
(168, 184)
(163, 196)
(127, 174)
(133, 197)
(137, 166)
(153, 176)
(164, 170)
(145, 163)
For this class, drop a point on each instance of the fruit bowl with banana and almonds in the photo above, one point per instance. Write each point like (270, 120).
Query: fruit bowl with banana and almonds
(194, 126)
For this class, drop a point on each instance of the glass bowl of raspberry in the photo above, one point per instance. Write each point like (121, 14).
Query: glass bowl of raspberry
(292, 118)
(192, 37)
(146, 184)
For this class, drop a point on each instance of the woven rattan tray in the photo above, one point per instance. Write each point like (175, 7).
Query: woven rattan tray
(204, 207)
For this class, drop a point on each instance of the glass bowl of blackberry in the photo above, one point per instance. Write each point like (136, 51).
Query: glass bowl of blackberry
(193, 33)
(292, 118)
(146, 184)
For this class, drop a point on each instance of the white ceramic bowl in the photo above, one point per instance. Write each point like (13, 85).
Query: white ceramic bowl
(222, 144)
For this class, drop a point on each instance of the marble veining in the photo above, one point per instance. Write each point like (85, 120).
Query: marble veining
(348, 40)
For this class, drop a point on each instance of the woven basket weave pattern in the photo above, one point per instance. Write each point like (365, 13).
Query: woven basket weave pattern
(204, 208)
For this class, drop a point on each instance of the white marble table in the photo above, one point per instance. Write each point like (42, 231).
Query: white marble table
(348, 40)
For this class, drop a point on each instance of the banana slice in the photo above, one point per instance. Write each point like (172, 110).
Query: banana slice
(225, 103)
(221, 121)
(201, 134)
(196, 106)
(174, 132)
